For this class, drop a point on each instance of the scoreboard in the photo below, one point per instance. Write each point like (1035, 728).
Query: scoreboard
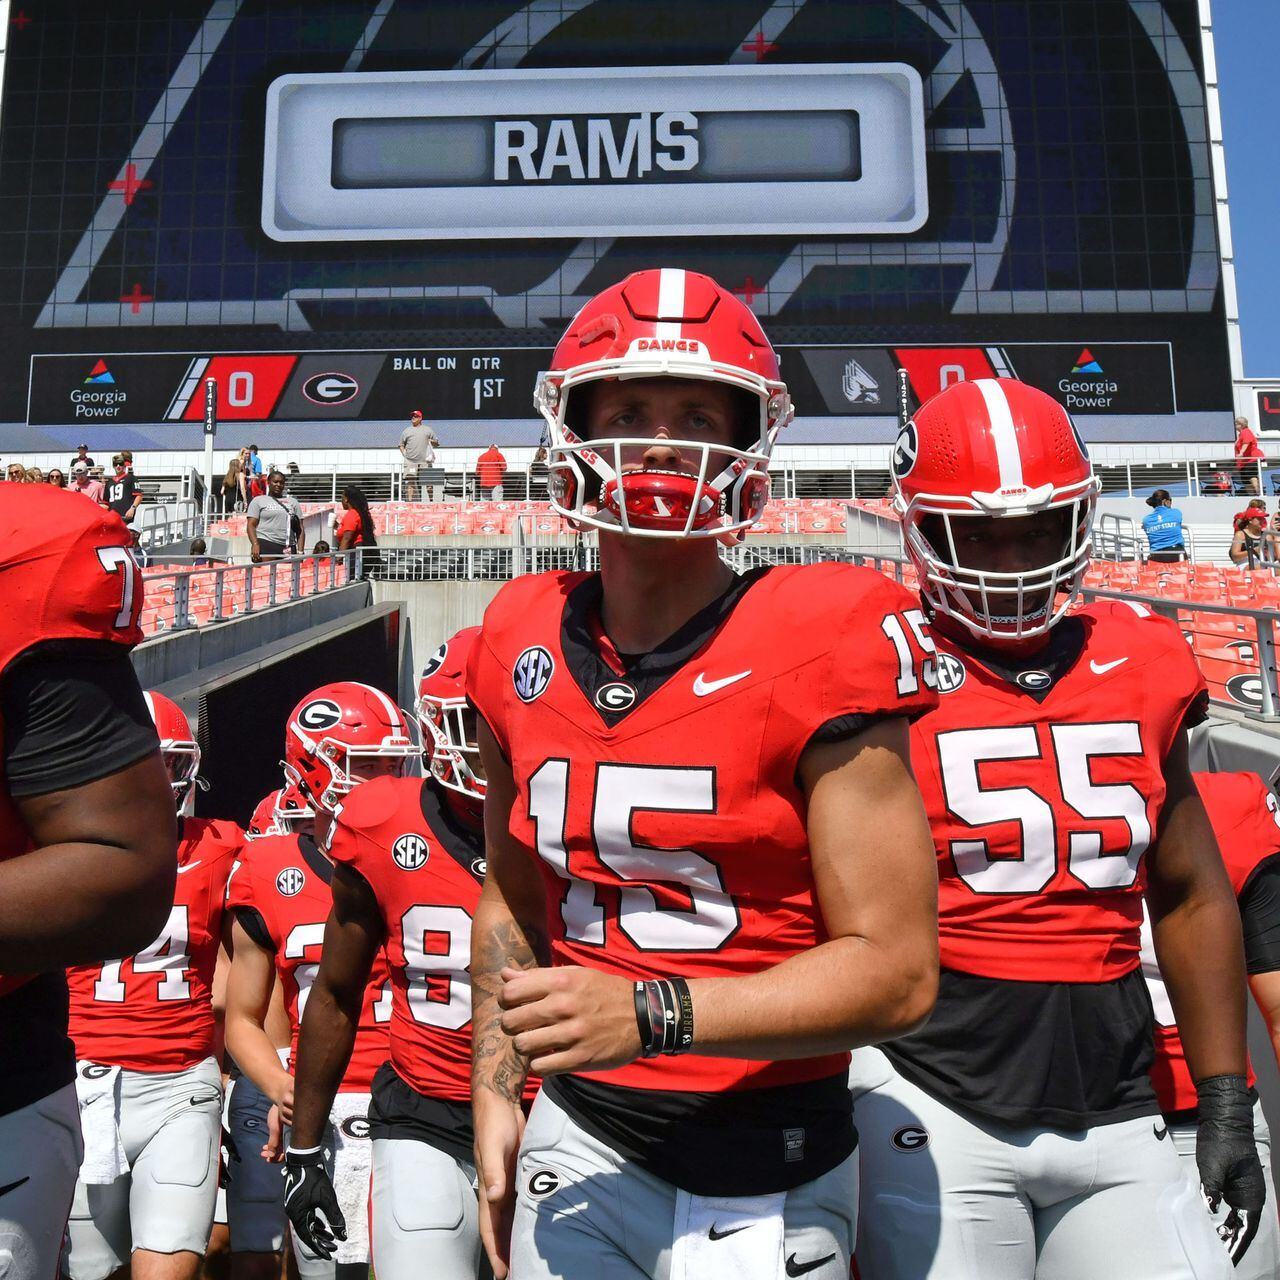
(344, 211)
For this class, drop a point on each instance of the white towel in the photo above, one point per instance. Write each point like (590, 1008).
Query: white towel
(721, 1236)
(352, 1169)
(104, 1157)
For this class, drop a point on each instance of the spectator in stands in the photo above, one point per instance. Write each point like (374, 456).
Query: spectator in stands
(57, 477)
(491, 466)
(322, 548)
(1252, 544)
(199, 550)
(355, 528)
(83, 482)
(275, 521)
(538, 474)
(243, 471)
(418, 448)
(231, 486)
(123, 495)
(16, 474)
(255, 462)
(257, 486)
(1249, 458)
(35, 475)
(126, 456)
(82, 455)
(1163, 528)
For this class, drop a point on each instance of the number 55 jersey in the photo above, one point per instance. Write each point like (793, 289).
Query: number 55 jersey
(1044, 782)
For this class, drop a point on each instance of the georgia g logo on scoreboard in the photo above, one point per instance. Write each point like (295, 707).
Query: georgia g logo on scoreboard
(330, 388)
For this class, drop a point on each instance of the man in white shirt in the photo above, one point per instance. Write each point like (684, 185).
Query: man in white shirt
(418, 448)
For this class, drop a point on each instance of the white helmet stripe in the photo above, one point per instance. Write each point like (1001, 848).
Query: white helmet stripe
(670, 301)
(394, 714)
(1003, 433)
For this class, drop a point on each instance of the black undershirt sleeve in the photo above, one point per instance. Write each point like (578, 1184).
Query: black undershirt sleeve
(251, 921)
(1260, 915)
(71, 712)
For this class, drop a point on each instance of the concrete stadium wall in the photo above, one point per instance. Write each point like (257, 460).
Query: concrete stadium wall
(435, 610)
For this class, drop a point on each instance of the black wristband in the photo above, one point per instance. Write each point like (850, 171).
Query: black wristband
(684, 1019)
(650, 1043)
(307, 1157)
(1225, 1100)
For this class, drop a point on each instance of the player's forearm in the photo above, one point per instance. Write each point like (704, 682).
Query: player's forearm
(325, 1041)
(255, 1055)
(498, 941)
(840, 995)
(69, 904)
(1208, 998)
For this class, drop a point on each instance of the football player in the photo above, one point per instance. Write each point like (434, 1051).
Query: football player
(337, 737)
(87, 831)
(278, 813)
(148, 1077)
(410, 861)
(1243, 813)
(1017, 1133)
(709, 871)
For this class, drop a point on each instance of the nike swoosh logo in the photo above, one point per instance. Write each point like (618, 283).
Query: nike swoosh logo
(795, 1268)
(13, 1186)
(197, 1101)
(702, 686)
(1101, 668)
(715, 1234)
(191, 866)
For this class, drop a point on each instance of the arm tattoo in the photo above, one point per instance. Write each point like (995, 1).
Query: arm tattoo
(495, 1064)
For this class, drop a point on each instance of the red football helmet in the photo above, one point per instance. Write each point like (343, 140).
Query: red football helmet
(332, 730)
(178, 748)
(663, 323)
(997, 448)
(447, 721)
(278, 813)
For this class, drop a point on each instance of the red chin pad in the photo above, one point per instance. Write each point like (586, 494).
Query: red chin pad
(661, 500)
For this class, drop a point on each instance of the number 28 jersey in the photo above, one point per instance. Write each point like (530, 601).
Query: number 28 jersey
(154, 1011)
(659, 797)
(280, 892)
(1044, 789)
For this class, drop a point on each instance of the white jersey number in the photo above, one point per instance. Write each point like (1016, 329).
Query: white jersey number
(908, 679)
(118, 560)
(621, 791)
(167, 956)
(302, 936)
(963, 752)
(447, 962)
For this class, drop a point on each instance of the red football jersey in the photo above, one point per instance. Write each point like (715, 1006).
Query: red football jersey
(153, 1011)
(662, 807)
(425, 868)
(286, 880)
(1044, 792)
(1242, 811)
(65, 574)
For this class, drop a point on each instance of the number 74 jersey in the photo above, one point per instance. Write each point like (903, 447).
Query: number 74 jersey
(1044, 786)
(659, 798)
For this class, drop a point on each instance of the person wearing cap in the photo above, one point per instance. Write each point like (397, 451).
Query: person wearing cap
(418, 448)
(1163, 528)
(82, 455)
(82, 482)
(1251, 543)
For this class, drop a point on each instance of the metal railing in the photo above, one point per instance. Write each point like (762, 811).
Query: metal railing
(181, 598)
(161, 523)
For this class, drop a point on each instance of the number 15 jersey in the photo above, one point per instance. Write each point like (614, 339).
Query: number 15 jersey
(659, 795)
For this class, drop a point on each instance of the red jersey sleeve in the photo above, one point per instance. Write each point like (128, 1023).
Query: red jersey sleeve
(1243, 813)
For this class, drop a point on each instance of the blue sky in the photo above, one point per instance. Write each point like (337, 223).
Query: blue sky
(1246, 36)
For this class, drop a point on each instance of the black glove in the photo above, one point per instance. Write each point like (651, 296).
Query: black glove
(230, 1155)
(311, 1202)
(1226, 1153)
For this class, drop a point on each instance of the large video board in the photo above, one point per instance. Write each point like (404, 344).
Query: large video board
(345, 211)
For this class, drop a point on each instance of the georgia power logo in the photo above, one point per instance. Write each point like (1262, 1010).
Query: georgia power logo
(290, 881)
(330, 388)
(904, 450)
(410, 852)
(99, 395)
(323, 713)
(436, 661)
(532, 673)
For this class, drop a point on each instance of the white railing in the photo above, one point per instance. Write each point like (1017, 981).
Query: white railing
(161, 523)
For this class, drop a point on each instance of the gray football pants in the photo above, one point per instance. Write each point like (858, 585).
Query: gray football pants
(40, 1152)
(425, 1220)
(947, 1198)
(1262, 1258)
(169, 1123)
(582, 1211)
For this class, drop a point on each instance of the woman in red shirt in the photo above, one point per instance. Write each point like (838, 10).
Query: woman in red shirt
(355, 528)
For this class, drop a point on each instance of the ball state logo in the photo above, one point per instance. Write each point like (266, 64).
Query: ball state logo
(290, 881)
(436, 661)
(323, 713)
(410, 852)
(532, 673)
(905, 449)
